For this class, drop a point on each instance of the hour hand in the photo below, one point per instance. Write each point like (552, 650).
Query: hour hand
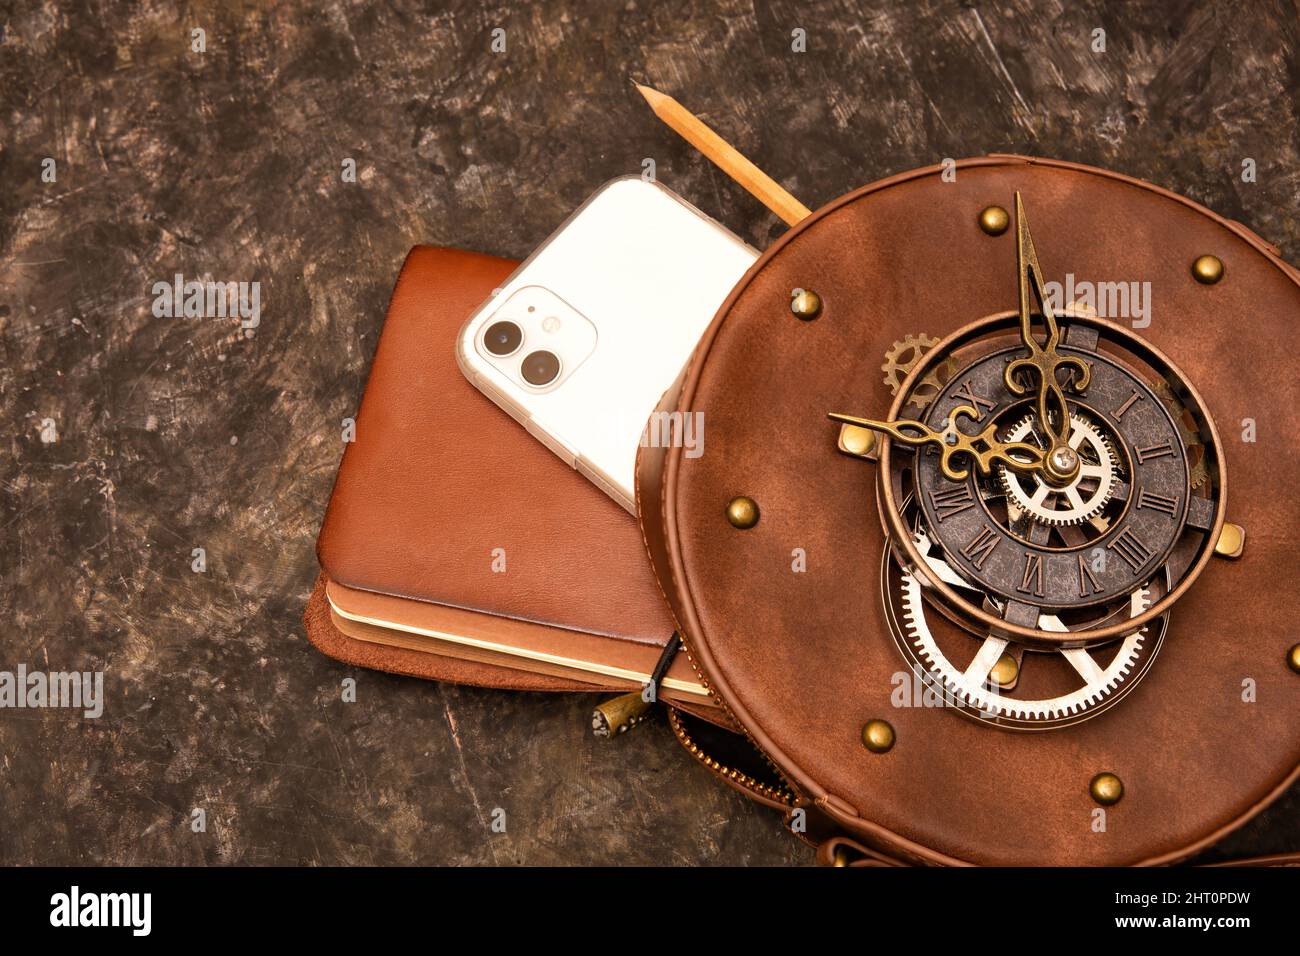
(983, 449)
(1042, 361)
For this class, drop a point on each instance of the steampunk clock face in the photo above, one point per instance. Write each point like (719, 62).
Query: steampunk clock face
(1050, 486)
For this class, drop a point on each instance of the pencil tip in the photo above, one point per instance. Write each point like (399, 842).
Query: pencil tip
(647, 92)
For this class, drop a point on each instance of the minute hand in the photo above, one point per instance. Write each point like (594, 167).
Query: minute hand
(1043, 361)
(1020, 457)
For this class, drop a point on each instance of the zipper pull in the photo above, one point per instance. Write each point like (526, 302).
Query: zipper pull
(621, 714)
(624, 712)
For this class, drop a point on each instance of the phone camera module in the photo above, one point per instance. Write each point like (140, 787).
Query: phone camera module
(540, 368)
(503, 338)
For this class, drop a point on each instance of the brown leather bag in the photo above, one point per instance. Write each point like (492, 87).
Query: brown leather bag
(801, 661)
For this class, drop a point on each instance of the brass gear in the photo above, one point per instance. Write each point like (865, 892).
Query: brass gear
(1191, 439)
(902, 358)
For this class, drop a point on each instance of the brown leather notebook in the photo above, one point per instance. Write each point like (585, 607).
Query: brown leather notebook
(454, 535)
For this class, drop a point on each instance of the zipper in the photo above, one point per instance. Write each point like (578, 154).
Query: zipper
(786, 794)
(779, 794)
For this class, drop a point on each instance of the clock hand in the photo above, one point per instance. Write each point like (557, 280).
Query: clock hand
(1061, 462)
(1021, 457)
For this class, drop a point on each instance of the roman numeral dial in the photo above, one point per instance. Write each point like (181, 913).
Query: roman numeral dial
(981, 404)
(1150, 452)
(1155, 502)
(1032, 580)
(951, 501)
(1134, 397)
(1043, 542)
(1088, 585)
(1131, 548)
(981, 546)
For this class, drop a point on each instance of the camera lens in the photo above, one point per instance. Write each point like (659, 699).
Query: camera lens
(540, 368)
(502, 338)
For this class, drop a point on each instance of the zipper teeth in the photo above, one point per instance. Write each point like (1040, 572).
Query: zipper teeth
(787, 793)
(781, 794)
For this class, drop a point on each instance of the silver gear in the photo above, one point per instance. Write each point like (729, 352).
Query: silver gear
(1063, 506)
(970, 686)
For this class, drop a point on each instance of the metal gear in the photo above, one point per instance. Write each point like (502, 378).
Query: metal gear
(1064, 506)
(1191, 438)
(902, 358)
(970, 687)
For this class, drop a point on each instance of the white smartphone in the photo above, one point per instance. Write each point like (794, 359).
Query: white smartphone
(586, 335)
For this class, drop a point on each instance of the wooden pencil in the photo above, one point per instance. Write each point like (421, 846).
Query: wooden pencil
(764, 188)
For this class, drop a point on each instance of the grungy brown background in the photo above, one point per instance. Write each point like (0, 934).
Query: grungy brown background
(179, 433)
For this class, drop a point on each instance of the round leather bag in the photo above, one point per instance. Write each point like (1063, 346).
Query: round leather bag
(785, 620)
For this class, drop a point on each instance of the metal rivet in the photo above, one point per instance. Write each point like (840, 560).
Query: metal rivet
(806, 304)
(1106, 789)
(1293, 658)
(1207, 269)
(877, 736)
(742, 512)
(994, 220)
(857, 441)
(1232, 541)
(1005, 671)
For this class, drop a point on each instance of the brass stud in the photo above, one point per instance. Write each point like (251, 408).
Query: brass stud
(742, 512)
(994, 220)
(1106, 789)
(1232, 541)
(877, 736)
(1005, 671)
(806, 304)
(1208, 269)
(857, 441)
(1293, 658)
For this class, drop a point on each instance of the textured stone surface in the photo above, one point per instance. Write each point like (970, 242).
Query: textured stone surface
(182, 433)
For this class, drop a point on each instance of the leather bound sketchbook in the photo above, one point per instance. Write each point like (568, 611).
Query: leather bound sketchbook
(456, 546)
